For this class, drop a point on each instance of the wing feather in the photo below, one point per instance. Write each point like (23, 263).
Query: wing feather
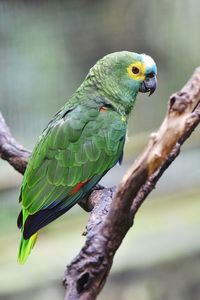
(81, 146)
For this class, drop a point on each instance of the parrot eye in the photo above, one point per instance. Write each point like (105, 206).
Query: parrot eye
(135, 70)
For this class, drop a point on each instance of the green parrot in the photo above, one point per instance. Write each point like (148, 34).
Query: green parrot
(82, 142)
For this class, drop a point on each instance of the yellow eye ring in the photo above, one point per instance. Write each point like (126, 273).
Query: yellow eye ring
(136, 71)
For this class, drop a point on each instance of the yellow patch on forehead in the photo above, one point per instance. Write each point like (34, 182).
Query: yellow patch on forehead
(140, 75)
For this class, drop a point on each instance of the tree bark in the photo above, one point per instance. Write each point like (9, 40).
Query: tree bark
(113, 210)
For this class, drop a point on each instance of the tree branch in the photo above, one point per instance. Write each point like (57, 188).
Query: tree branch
(11, 150)
(113, 214)
(113, 210)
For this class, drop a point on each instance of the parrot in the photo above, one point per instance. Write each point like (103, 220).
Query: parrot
(82, 142)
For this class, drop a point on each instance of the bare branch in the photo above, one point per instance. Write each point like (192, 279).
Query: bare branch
(113, 210)
(87, 273)
(11, 150)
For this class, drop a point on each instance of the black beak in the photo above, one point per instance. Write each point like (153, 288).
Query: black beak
(149, 85)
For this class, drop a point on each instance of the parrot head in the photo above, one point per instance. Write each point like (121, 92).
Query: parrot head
(121, 75)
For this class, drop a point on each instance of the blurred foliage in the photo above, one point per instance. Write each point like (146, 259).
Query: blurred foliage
(46, 50)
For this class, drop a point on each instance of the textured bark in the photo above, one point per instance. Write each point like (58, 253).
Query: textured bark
(113, 210)
(11, 150)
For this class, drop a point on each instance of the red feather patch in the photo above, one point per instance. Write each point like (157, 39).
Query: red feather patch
(103, 109)
(78, 186)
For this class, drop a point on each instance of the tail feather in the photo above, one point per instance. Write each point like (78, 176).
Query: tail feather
(25, 248)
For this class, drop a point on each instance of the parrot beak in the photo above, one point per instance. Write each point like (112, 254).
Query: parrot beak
(149, 85)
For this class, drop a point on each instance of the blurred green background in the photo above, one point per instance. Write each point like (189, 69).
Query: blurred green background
(46, 49)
